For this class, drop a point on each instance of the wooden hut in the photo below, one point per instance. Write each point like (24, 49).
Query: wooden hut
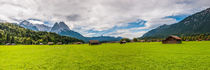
(122, 42)
(142, 41)
(172, 40)
(77, 43)
(94, 42)
(50, 43)
(8, 44)
(13, 44)
(59, 43)
(41, 44)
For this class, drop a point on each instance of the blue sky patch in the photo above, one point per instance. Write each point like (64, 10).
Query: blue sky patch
(136, 24)
(178, 17)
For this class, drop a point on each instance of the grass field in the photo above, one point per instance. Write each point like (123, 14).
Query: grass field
(131, 56)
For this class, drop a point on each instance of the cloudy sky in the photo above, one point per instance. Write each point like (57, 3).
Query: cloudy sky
(126, 18)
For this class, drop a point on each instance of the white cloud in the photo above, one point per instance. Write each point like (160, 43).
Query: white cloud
(100, 15)
(35, 22)
(126, 33)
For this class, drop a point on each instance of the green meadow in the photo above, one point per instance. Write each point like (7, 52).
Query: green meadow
(110, 56)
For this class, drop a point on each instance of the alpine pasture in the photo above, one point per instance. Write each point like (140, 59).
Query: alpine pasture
(110, 56)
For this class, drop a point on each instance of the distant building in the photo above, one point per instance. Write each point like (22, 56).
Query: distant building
(94, 42)
(13, 44)
(77, 43)
(8, 44)
(59, 43)
(172, 40)
(41, 44)
(122, 42)
(50, 43)
(114, 42)
(142, 41)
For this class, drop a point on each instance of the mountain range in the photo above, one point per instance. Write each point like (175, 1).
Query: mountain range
(62, 29)
(198, 23)
(36, 27)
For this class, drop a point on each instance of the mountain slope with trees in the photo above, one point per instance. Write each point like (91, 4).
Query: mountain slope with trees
(13, 33)
(194, 25)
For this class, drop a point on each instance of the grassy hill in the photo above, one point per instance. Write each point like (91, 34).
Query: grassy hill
(12, 33)
(130, 56)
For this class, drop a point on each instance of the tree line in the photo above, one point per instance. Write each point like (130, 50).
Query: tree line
(184, 37)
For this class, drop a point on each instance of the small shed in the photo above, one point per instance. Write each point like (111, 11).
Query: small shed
(122, 42)
(172, 40)
(41, 44)
(50, 43)
(142, 41)
(94, 42)
(59, 43)
(13, 44)
(77, 43)
(8, 44)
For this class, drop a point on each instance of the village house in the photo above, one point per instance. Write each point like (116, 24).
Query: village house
(123, 42)
(94, 42)
(172, 40)
(77, 43)
(41, 44)
(50, 43)
(59, 43)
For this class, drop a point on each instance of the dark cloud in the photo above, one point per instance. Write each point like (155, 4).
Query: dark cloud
(74, 17)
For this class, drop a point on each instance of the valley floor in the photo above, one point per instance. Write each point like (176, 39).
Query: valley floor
(131, 56)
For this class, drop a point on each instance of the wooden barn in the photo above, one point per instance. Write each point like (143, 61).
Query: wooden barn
(122, 42)
(77, 43)
(50, 43)
(172, 40)
(59, 43)
(94, 42)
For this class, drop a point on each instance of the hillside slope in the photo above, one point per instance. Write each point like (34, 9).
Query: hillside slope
(198, 23)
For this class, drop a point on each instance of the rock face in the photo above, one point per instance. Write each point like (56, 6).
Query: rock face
(35, 27)
(58, 27)
(28, 25)
(198, 23)
(42, 27)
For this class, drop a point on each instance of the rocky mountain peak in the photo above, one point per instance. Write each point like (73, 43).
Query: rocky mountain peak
(63, 25)
(28, 25)
(58, 27)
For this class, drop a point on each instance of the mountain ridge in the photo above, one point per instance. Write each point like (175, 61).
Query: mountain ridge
(197, 23)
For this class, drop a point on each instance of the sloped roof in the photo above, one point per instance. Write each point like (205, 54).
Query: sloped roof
(175, 37)
(94, 41)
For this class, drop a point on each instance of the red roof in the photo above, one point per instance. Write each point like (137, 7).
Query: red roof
(94, 41)
(176, 37)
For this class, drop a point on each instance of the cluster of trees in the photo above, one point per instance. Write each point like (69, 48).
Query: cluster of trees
(125, 39)
(185, 37)
(195, 37)
(12, 33)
